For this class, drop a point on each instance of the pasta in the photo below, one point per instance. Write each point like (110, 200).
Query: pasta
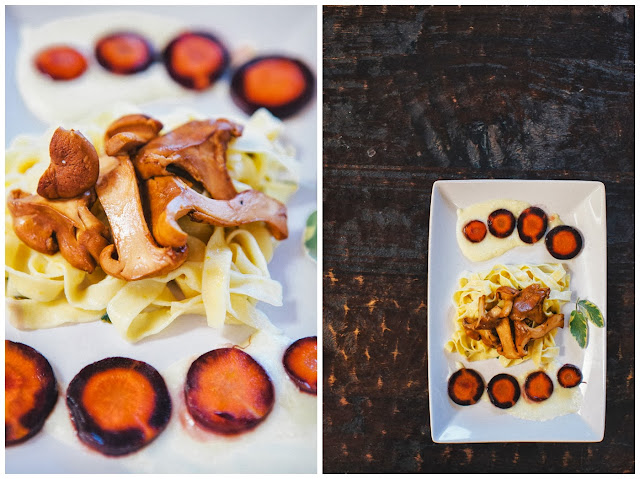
(225, 274)
(474, 285)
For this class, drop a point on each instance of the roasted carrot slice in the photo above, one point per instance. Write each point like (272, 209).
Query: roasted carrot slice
(504, 391)
(196, 59)
(61, 62)
(465, 387)
(30, 392)
(475, 231)
(569, 376)
(228, 392)
(532, 224)
(124, 53)
(283, 85)
(501, 223)
(563, 242)
(538, 386)
(118, 405)
(301, 363)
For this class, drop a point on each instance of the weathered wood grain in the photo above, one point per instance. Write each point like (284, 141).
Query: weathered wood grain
(416, 94)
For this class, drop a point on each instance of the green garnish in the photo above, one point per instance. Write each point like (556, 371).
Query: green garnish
(105, 318)
(578, 324)
(310, 237)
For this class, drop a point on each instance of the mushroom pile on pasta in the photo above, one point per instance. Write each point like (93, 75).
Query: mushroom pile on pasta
(511, 312)
(141, 223)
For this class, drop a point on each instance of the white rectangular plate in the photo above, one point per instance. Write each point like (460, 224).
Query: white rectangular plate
(580, 204)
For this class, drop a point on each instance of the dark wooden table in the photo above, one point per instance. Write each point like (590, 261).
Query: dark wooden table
(412, 95)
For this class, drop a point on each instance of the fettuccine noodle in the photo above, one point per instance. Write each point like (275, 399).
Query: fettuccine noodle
(474, 285)
(223, 278)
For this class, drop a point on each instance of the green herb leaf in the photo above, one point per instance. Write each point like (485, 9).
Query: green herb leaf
(105, 318)
(592, 312)
(310, 237)
(578, 327)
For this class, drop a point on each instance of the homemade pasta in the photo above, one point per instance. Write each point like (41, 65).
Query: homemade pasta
(223, 278)
(473, 286)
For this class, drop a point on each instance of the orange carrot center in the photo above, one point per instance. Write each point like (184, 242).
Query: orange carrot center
(502, 223)
(232, 385)
(61, 63)
(21, 385)
(564, 243)
(539, 387)
(303, 362)
(119, 399)
(503, 390)
(124, 51)
(475, 231)
(569, 377)
(197, 58)
(274, 82)
(465, 386)
(532, 225)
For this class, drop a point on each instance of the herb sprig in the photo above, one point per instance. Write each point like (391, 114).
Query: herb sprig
(578, 322)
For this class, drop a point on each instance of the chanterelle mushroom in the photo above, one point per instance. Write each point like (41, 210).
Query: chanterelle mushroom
(66, 225)
(525, 333)
(74, 166)
(507, 346)
(130, 132)
(528, 304)
(199, 148)
(138, 256)
(170, 199)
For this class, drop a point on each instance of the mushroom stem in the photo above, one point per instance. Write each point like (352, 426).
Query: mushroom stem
(138, 256)
(506, 340)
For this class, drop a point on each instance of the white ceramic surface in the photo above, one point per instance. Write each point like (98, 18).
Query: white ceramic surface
(289, 30)
(580, 204)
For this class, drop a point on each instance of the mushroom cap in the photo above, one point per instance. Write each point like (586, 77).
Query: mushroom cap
(74, 166)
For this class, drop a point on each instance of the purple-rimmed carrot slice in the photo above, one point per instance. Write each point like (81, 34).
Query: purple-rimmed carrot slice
(124, 53)
(465, 387)
(563, 242)
(30, 392)
(475, 231)
(504, 391)
(61, 62)
(228, 392)
(281, 84)
(501, 223)
(569, 376)
(532, 224)
(538, 386)
(118, 405)
(196, 59)
(301, 363)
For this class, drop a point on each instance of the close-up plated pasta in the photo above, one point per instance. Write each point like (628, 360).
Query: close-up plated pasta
(485, 288)
(225, 273)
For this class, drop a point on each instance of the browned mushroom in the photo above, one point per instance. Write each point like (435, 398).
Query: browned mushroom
(129, 132)
(489, 337)
(506, 294)
(198, 148)
(138, 256)
(65, 225)
(74, 166)
(507, 346)
(170, 199)
(525, 333)
(528, 304)
(484, 320)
